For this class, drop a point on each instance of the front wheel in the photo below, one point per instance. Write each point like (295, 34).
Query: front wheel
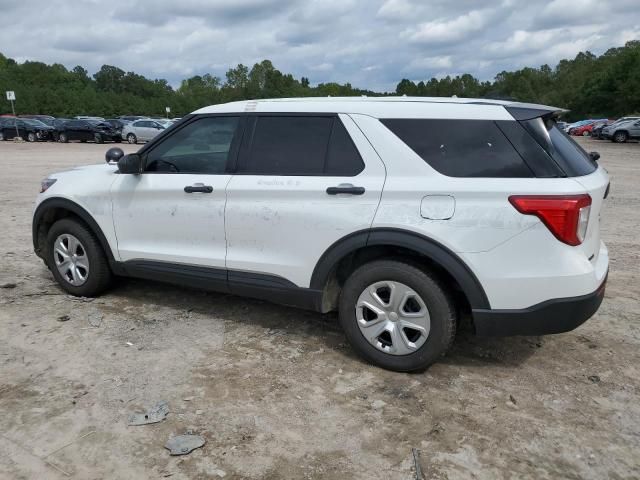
(131, 138)
(585, 134)
(76, 259)
(31, 137)
(397, 316)
(62, 138)
(98, 138)
(620, 137)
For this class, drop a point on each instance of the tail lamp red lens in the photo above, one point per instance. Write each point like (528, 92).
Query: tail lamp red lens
(566, 216)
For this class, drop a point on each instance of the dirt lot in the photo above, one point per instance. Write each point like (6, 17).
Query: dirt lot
(277, 392)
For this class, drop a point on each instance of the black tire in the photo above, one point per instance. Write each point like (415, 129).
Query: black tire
(620, 137)
(31, 137)
(98, 138)
(99, 276)
(131, 138)
(441, 309)
(63, 138)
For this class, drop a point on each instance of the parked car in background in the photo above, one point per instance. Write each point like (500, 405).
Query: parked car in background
(25, 128)
(583, 130)
(621, 131)
(117, 125)
(141, 130)
(88, 130)
(562, 125)
(596, 131)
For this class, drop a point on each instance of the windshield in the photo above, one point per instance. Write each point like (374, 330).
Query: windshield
(33, 122)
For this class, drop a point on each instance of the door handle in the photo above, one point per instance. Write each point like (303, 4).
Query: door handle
(345, 188)
(198, 188)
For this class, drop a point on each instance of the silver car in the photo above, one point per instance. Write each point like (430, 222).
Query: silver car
(141, 130)
(621, 131)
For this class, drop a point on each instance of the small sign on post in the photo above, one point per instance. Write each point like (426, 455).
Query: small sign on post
(11, 96)
(168, 110)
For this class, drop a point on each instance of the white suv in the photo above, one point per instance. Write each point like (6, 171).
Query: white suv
(400, 213)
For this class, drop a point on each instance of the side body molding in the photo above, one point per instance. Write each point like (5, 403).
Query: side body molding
(420, 244)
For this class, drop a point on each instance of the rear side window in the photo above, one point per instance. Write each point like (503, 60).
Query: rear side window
(299, 145)
(569, 156)
(461, 148)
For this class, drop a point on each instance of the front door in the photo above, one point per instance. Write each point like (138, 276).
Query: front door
(302, 183)
(174, 211)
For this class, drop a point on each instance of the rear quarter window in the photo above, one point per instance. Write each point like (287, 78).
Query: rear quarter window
(567, 154)
(461, 148)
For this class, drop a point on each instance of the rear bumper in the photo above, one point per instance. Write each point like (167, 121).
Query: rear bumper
(553, 316)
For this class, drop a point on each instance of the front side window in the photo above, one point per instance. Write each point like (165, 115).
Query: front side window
(202, 146)
(300, 146)
(461, 148)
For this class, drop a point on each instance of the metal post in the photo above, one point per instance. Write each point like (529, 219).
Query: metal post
(13, 109)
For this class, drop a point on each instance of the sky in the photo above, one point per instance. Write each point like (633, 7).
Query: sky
(370, 43)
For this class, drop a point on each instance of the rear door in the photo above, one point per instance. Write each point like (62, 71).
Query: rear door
(302, 182)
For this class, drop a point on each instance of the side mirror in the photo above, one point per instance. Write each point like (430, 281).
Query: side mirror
(595, 156)
(131, 163)
(113, 155)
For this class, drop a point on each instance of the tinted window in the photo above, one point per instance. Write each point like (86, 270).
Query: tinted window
(461, 148)
(202, 146)
(536, 158)
(299, 145)
(343, 159)
(288, 146)
(569, 156)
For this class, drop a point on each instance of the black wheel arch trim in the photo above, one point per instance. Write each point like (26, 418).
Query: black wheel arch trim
(435, 251)
(63, 203)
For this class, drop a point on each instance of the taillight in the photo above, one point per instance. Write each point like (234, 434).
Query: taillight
(566, 216)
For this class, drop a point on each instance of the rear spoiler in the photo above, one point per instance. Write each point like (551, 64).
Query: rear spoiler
(528, 111)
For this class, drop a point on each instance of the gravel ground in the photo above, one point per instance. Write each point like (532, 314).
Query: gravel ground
(277, 392)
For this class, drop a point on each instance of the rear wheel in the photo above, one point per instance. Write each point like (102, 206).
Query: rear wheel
(76, 259)
(31, 137)
(98, 138)
(62, 138)
(620, 137)
(131, 138)
(585, 133)
(397, 316)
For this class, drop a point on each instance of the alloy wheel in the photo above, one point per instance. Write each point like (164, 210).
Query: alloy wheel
(71, 259)
(393, 317)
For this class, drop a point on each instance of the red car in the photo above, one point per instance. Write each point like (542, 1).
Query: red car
(583, 130)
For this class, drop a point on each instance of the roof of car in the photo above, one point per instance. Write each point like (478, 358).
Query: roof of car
(391, 107)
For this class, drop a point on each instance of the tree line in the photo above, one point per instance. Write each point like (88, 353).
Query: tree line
(588, 85)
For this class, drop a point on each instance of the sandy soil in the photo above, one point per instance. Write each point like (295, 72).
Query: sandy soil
(277, 392)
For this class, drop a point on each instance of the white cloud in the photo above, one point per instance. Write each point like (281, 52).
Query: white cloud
(369, 43)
